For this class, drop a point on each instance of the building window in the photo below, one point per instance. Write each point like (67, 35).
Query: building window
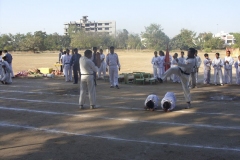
(106, 28)
(106, 24)
(229, 41)
(87, 25)
(92, 24)
(87, 29)
(92, 28)
(100, 24)
(99, 28)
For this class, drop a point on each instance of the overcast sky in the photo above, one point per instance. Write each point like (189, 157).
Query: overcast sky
(22, 16)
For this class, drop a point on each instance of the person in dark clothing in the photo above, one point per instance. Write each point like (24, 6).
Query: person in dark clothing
(75, 63)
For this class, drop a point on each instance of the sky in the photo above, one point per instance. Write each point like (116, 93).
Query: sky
(22, 16)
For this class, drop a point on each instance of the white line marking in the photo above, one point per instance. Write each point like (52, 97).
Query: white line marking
(121, 119)
(119, 107)
(4, 124)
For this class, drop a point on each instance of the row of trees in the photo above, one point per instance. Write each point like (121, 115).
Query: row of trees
(152, 38)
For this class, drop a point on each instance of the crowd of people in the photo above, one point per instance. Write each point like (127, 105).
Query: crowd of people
(217, 64)
(6, 71)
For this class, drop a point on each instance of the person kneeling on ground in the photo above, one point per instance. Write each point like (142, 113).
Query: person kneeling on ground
(168, 103)
(151, 103)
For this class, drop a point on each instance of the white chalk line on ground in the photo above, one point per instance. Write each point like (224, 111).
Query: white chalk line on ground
(120, 119)
(73, 95)
(119, 107)
(5, 124)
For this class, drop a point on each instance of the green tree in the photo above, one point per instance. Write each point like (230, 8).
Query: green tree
(237, 40)
(121, 39)
(184, 40)
(154, 37)
(133, 41)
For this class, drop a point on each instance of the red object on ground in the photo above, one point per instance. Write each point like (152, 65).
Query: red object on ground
(167, 60)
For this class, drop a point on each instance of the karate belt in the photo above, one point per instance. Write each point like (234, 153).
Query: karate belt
(184, 72)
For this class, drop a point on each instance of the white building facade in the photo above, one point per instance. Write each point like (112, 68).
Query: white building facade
(228, 38)
(108, 27)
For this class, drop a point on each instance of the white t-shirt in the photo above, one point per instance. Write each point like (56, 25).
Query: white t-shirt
(153, 98)
(229, 65)
(217, 63)
(171, 98)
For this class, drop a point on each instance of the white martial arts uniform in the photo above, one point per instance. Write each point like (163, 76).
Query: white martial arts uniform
(67, 67)
(199, 62)
(154, 99)
(183, 71)
(155, 61)
(192, 78)
(113, 63)
(217, 65)
(228, 70)
(237, 66)
(161, 67)
(6, 72)
(207, 70)
(171, 98)
(87, 67)
(174, 77)
(181, 60)
(62, 56)
(102, 68)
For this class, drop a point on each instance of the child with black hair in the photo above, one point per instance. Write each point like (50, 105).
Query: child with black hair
(151, 103)
(168, 103)
(207, 69)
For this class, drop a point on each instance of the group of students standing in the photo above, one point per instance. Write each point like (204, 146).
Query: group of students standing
(217, 63)
(70, 64)
(6, 71)
(159, 64)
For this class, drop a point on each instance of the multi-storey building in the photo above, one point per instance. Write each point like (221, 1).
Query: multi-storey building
(92, 26)
(228, 38)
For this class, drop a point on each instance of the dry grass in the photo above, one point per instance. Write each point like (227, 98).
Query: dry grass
(130, 60)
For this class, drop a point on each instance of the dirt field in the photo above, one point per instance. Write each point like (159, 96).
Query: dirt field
(40, 118)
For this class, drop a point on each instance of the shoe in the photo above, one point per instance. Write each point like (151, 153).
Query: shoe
(81, 107)
(2, 82)
(111, 86)
(117, 87)
(160, 80)
(188, 105)
(92, 107)
(75, 83)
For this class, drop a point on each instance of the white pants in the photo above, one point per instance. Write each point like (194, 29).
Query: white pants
(6, 77)
(219, 73)
(207, 76)
(113, 75)
(175, 78)
(68, 72)
(192, 79)
(184, 80)
(228, 76)
(101, 70)
(11, 74)
(237, 77)
(87, 84)
(155, 72)
(161, 71)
